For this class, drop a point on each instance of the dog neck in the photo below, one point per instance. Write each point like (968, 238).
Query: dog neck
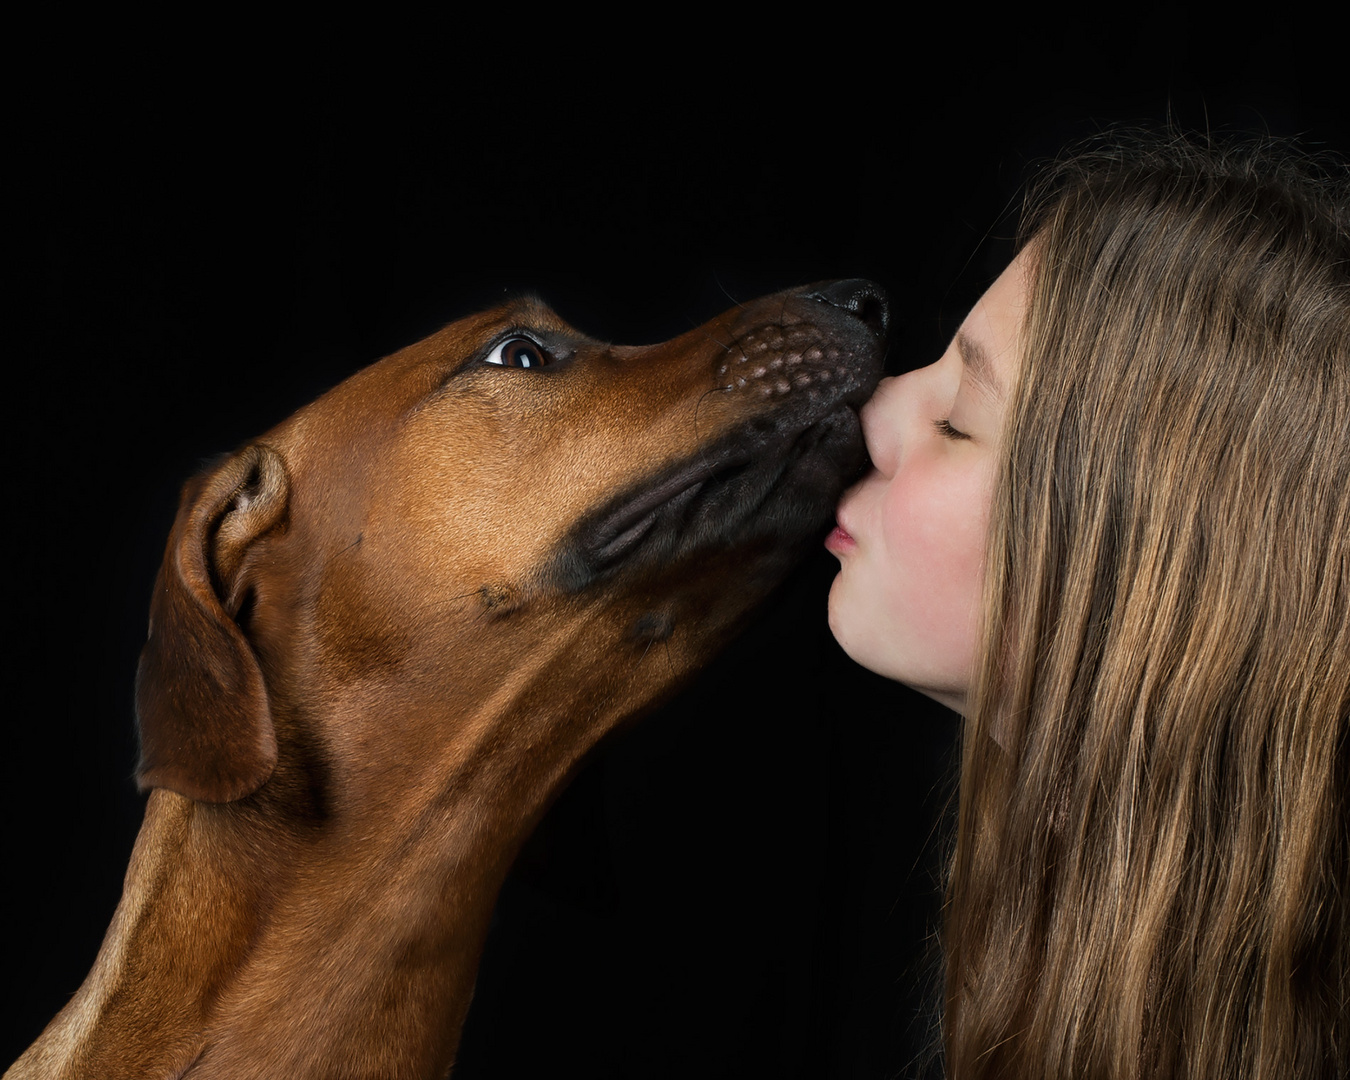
(347, 947)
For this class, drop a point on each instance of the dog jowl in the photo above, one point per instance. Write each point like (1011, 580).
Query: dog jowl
(385, 632)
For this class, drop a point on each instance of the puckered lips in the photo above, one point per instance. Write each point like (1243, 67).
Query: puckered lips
(840, 541)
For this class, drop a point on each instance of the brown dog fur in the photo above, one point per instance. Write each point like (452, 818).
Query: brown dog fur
(385, 633)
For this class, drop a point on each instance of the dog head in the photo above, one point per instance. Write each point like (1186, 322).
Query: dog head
(507, 512)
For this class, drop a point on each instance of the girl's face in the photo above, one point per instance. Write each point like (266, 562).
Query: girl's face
(911, 534)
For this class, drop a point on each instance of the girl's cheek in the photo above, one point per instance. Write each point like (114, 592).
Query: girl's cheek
(934, 524)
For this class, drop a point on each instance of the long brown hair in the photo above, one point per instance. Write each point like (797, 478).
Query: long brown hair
(1151, 869)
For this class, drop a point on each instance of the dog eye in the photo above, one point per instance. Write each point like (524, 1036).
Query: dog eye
(518, 352)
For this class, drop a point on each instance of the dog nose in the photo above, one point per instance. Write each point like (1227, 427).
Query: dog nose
(865, 299)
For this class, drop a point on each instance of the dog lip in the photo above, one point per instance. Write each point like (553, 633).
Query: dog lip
(628, 537)
(621, 531)
(680, 498)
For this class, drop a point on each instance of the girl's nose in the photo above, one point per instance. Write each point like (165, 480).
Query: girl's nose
(881, 429)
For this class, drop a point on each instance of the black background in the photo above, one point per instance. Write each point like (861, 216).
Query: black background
(224, 226)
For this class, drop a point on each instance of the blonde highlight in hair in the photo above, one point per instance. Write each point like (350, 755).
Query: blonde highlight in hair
(1151, 870)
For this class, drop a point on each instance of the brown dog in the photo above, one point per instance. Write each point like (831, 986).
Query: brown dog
(385, 633)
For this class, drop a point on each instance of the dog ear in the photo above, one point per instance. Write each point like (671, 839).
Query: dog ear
(201, 706)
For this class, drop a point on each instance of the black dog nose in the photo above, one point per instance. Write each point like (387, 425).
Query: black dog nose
(865, 299)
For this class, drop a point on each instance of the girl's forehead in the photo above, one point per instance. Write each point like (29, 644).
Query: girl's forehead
(988, 339)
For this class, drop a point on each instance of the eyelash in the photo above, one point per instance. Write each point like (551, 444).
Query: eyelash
(945, 429)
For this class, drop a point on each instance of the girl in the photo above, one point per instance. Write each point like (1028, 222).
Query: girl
(1111, 527)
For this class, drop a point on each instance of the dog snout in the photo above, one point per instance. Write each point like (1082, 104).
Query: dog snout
(831, 334)
(866, 300)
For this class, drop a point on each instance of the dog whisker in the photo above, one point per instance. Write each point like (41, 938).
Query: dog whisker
(727, 292)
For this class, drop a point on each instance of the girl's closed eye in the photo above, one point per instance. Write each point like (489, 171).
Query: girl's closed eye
(945, 429)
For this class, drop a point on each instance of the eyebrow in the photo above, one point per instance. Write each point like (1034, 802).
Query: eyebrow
(978, 366)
